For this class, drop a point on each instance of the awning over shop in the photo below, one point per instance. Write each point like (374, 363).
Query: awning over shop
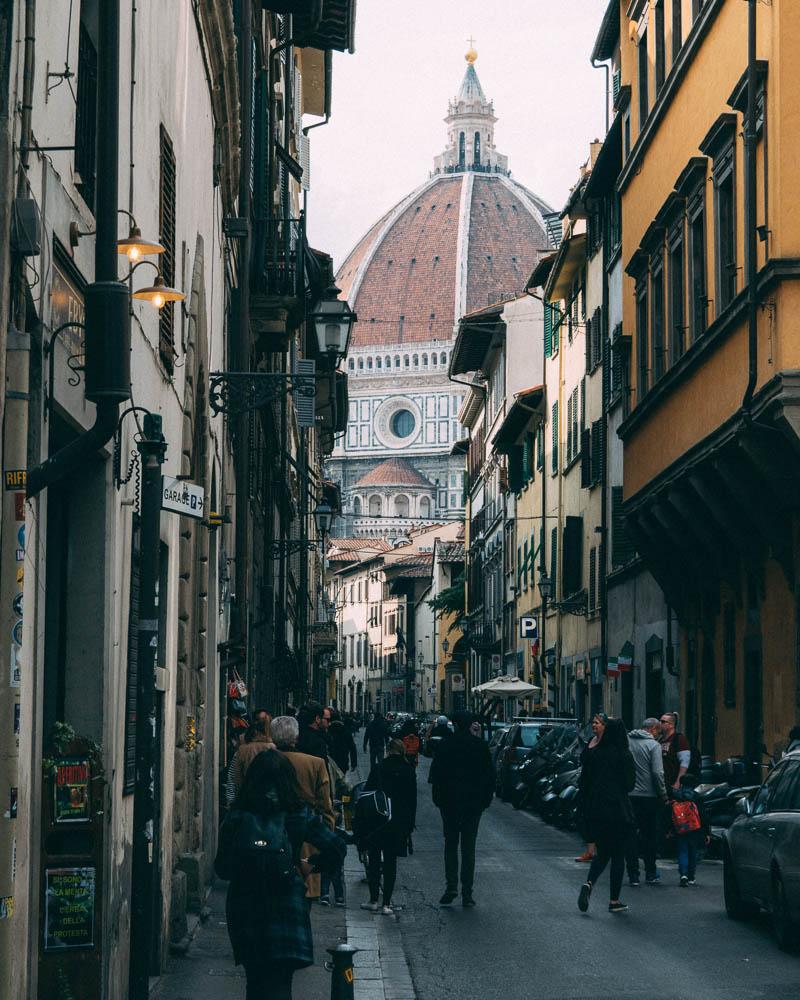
(475, 333)
(518, 418)
(507, 687)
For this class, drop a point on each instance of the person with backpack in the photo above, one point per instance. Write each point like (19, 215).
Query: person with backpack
(268, 843)
(410, 738)
(375, 737)
(397, 780)
(462, 780)
(341, 745)
(607, 778)
(679, 757)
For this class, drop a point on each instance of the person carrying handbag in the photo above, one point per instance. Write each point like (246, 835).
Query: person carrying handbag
(268, 843)
(397, 779)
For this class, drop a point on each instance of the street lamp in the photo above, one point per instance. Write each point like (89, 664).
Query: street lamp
(333, 320)
(323, 516)
(159, 293)
(545, 586)
(445, 646)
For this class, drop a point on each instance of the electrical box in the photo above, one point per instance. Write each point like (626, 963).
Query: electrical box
(25, 229)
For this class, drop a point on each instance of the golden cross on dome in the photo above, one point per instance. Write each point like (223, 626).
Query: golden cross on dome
(472, 55)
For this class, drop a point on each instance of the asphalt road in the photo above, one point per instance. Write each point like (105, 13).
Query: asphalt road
(526, 938)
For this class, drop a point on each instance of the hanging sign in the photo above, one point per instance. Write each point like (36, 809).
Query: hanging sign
(71, 790)
(15, 479)
(529, 627)
(181, 497)
(68, 908)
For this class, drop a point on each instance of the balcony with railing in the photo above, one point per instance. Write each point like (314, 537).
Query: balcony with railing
(277, 282)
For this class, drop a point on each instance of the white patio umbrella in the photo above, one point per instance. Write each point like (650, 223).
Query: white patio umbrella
(506, 687)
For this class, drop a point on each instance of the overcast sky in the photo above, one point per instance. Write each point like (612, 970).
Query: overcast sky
(390, 98)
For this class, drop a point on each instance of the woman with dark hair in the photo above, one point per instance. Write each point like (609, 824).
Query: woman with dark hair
(261, 853)
(395, 777)
(607, 776)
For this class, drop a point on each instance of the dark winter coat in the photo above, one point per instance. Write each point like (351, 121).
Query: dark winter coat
(376, 734)
(462, 775)
(342, 746)
(313, 742)
(398, 780)
(608, 774)
(268, 927)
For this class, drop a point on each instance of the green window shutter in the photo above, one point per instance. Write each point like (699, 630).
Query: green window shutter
(519, 567)
(525, 565)
(573, 555)
(597, 452)
(554, 561)
(622, 551)
(554, 422)
(530, 468)
(540, 447)
(557, 320)
(586, 458)
(548, 330)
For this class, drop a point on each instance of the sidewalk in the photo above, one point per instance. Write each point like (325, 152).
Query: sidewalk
(207, 969)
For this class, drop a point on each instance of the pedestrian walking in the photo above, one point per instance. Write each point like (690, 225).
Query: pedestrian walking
(375, 737)
(607, 777)
(689, 831)
(410, 737)
(314, 720)
(648, 798)
(441, 729)
(256, 740)
(313, 782)
(396, 778)
(268, 920)
(598, 725)
(462, 780)
(676, 750)
(341, 745)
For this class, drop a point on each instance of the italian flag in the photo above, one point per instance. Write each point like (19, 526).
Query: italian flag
(624, 662)
(613, 668)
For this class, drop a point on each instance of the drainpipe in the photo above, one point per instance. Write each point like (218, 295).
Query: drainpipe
(107, 299)
(597, 65)
(750, 194)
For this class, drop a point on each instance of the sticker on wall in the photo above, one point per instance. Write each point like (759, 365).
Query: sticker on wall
(12, 803)
(15, 479)
(16, 605)
(21, 543)
(19, 506)
(16, 719)
(68, 908)
(15, 666)
(20, 575)
(16, 632)
(71, 791)
(6, 907)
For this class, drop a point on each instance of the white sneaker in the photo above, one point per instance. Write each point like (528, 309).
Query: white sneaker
(387, 911)
(372, 907)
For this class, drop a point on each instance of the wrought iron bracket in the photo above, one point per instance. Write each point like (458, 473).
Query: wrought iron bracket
(233, 393)
(577, 605)
(290, 546)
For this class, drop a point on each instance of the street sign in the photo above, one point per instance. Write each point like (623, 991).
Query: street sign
(528, 627)
(181, 497)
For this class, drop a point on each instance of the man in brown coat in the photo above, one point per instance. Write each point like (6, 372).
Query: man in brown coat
(257, 740)
(312, 778)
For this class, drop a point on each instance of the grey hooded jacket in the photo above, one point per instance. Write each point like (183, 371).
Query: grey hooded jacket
(648, 759)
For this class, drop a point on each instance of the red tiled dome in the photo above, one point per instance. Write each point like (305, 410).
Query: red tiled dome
(457, 243)
(394, 472)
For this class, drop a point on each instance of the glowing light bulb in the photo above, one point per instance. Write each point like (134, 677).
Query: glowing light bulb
(159, 300)
(134, 253)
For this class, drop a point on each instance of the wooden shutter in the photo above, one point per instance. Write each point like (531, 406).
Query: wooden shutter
(572, 575)
(132, 678)
(554, 422)
(588, 344)
(597, 452)
(548, 330)
(167, 201)
(622, 551)
(586, 458)
(554, 561)
(592, 602)
(516, 478)
(570, 407)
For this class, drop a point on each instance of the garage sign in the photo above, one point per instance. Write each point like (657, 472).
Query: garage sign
(181, 497)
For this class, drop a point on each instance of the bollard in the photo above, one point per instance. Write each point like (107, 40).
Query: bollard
(341, 965)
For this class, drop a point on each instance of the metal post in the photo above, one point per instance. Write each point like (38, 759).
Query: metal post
(341, 965)
(151, 448)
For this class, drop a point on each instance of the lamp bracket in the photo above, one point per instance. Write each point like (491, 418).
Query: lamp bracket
(233, 393)
(289, 546)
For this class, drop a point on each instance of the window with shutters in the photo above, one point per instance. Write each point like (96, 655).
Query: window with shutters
(697, 263)
(592, 598)
(725, 226)
(660, 45)
(525, 561)
(516, 475)
(729, 654)
(554, 567)
(622, 551)
(677, 295)
(643, 74)
(586, 458)
(597, 452)
(677, 28)
(132, 676)
(588, 344)
(575, 426)
(529, 457)
(572, 556)
(166, 228)
(568, 456)
(657, 328)
(598, 329)
(86, 104)
(540, 447)
(642, 340)
(554, 425)
(583, 403)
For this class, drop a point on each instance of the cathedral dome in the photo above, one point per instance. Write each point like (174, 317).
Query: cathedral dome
(470, 235)
(394, 472)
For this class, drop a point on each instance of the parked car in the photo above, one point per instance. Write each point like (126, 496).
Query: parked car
(762, 854)
(522, 737)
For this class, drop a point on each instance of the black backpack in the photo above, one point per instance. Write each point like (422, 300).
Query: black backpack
(256, 848)
(372, 814)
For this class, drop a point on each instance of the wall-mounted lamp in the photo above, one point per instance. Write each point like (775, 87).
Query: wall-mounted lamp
(134, 246)
(159, 293)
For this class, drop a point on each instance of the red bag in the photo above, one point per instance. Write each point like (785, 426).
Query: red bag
(685, 817)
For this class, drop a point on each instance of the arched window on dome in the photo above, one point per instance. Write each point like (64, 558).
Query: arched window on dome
(401, 505)
(388, 362)
(476, 159)
(443, 358)
(434, 359)
(415, 361)
(369, 362)
(357, 506)
(361, 364)
(378, 362)
(375, 506)
(425, 507)
(405, 360)
(462, 150)
(397, 360)
(351, 365)
(424, 360)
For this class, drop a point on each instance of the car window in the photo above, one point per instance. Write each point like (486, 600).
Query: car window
(763, 801)
(786, 792)
(529, 735)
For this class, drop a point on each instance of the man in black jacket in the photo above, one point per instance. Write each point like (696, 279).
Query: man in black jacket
(375, 736)
(463, 786)
(314, 721)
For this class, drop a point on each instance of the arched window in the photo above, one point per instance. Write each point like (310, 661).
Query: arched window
(357, 506)
(405, 360)
(424, 360)
(375, 506)
(388, 362)
(443, 358)
(477, 150)
(351, 365)
(462, 150)
(397, 360)
(415, 361)
(361, 364)
(434, 359)
(424, 507)
(378, 362)
(369, 362)
(401, 506)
